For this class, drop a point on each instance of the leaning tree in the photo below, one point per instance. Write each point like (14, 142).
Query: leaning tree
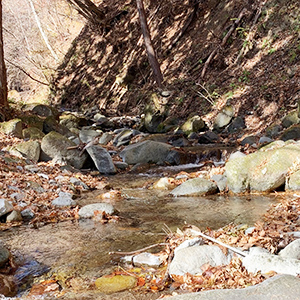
(3, 78)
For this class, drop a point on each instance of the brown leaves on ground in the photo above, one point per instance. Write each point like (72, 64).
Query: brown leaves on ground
(271, 233)
(38, 188)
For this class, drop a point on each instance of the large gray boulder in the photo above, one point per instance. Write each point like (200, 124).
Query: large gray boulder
(88, 135)
(55, 146)
(266, 263)
(281, 287)
(101, 159)
(195, 187)
(145, 152)
(191, 259)
(265, 170)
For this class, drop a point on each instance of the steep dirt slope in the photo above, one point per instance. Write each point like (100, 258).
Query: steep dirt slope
(257, 68)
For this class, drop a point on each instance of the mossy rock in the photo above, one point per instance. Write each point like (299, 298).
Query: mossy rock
(29, 150)
(263, 171)
(71, 121)
(193, 124)
(12, 127)
(290, 119)
(117, 283)
(33, 133)
(33, 121)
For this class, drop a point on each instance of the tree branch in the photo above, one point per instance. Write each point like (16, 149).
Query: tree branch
(18, 67)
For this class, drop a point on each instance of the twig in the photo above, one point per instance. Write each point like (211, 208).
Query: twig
(18, 67)
(226, 37)
(138, 251)
(218, 242)
(250, 36)
(171, 255)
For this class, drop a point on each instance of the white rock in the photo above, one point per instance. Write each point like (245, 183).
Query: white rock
(5, 207)
(191, 259)
(267, 262)
(144, 258)
(88, 211)
(292, 250)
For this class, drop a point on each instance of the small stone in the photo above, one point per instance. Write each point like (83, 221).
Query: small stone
(164, 184)
(17, 196)
(147, 259)
(88, 211)
(14, 216)
(78, 182)
(117, 283)
(5, 207)
(32, 168)
(27, 213)
(4, 255)
(63, 199)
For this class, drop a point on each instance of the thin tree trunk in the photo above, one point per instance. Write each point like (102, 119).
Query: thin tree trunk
(158, 77)
(88, 10)
(3, 78)
(42, 31)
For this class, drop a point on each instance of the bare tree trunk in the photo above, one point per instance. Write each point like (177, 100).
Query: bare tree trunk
(3, 78)
(158, 77)
(88, 10)
(42, 31)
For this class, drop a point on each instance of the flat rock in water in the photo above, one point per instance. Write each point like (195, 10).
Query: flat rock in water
(195, 187)
(191, 259)
(117, 283)
(88, 211)
(282, 287)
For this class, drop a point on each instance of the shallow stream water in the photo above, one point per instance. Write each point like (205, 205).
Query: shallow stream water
(79, 249)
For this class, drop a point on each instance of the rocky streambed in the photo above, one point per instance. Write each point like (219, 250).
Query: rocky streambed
(76, 253)
(53, 171)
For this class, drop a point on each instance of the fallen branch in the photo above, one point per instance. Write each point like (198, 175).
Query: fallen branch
(224, 41)
(218, 242)
(138, 251)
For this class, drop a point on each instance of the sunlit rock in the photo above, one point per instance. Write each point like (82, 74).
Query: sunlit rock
(117, 283)
(195, 187)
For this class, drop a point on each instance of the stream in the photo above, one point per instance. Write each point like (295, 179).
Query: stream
(79, 249)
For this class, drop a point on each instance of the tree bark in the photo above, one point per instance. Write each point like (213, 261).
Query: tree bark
(88, 10)
(3, 78)
(158, 77)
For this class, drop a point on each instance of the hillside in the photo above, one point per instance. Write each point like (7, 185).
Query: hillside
(256, 66)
